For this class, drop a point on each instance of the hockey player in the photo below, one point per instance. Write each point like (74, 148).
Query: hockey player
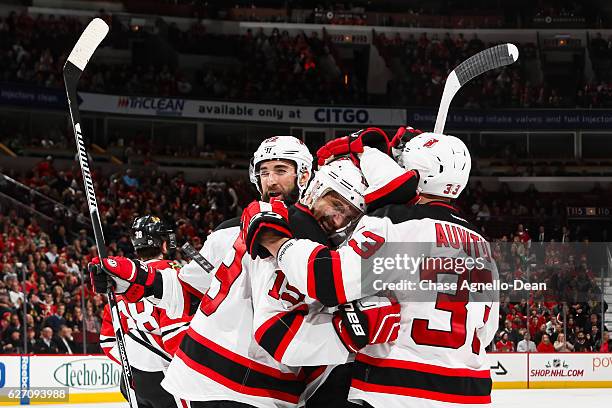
(151, 336)
(334, 200)
(438, 359)
(219, 363)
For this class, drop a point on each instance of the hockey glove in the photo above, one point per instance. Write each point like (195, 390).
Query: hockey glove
(402, 136)
(260, 217)
(99, 279)
(132, 279)
(371, 320)
(352, 145)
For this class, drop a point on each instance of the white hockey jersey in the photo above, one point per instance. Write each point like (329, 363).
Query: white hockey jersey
(219, 358)
(438, 359)
(316, 342)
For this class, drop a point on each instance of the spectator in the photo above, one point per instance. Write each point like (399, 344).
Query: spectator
(522, 234)
(582, 345)
(513, 335)
(65, 341)
(13, 344)
(593, 336)
(546, 346)
(557, 332)
(46, 344)
(605, 344)
(551, 326)
(45, 169)
(504, 345)
(130, 180)
(92, 322)
(52, 254)
(540, 334)
(57, 319)
(565, 235)
(563, 346)
(526, 345)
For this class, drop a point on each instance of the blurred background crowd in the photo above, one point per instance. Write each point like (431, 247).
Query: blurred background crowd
(533, 195)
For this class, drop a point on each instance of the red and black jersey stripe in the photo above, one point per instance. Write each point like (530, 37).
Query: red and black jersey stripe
(237, 372)
(276, 334)
(324, 281)
(462, 386)
(401, 190)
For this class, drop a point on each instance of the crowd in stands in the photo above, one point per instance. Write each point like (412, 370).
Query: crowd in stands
(598, 92)
(567, 315)
(61, 312)
(420, 64)
(287, 68)
(53, 257)
(448, 14)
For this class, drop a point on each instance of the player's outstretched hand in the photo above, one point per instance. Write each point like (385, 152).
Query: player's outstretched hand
(259, 219)
(371, 320)
(132, 279)
(402, 136)
(352, 145)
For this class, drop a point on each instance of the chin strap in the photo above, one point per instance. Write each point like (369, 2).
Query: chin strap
(338, 237)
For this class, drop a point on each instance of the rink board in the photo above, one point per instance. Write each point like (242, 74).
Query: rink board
(551, 370)
(87, 378)
(94, 378)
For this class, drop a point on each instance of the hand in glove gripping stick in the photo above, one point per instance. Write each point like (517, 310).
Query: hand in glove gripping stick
(352, 145)
(131, 278)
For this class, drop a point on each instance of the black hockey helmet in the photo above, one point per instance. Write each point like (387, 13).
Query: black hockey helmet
(150, 232)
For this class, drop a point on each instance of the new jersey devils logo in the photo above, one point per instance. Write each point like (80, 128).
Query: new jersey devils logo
(430, 142)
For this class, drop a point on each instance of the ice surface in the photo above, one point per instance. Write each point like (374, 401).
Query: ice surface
(593, 397)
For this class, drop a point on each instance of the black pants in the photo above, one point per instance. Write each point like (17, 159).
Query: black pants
(149, 392)
(333, 393)
(219, 404)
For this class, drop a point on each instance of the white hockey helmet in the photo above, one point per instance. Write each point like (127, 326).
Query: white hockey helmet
(341, 176)
(279, 148)
(443, 162)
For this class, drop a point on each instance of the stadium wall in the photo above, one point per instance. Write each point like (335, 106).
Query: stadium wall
(551, 370)
(94, 378)
(81, 378)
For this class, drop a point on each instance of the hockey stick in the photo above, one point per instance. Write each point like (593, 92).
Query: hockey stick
(188, 250)
(491, 58)
(73, 69)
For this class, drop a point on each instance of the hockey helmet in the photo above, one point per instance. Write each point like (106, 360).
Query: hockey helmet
(341, 176)
(151, 232)
(344, 178)
(443, 163)
(279, 148)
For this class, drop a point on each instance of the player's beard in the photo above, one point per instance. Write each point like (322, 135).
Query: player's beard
(289, 198)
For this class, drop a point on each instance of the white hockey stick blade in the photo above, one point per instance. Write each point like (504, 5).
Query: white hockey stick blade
(489, 59)
(88, 42)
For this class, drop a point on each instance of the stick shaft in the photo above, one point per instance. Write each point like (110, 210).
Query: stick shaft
(71, 76)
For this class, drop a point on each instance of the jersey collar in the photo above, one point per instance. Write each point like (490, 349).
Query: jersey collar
(443, 204)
